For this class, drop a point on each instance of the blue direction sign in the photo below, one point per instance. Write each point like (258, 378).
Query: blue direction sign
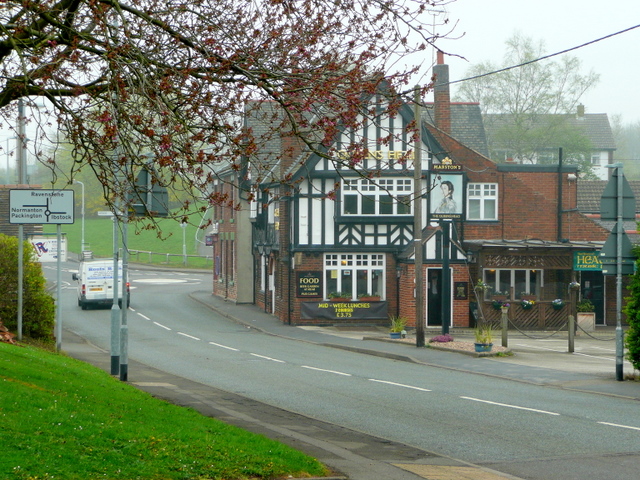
(41, 206)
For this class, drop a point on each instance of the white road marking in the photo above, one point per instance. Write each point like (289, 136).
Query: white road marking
(268, 358)
(510, 406)
(328, 371)
(188, 336)
(160, 280)
(162, 326)
(143, 316)
(621, 426)
(224, 346)
(399, 385)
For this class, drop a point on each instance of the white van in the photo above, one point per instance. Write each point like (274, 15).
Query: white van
(95, 283)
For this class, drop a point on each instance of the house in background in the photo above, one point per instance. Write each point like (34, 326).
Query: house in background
(595, 127)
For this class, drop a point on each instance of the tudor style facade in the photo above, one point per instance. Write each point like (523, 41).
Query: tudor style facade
(333, 230)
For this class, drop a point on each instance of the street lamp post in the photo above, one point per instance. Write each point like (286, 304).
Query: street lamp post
(82, 216)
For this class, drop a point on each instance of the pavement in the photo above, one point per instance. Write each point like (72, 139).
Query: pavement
(539, 358)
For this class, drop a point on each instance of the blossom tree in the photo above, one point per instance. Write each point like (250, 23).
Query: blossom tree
(169, 83)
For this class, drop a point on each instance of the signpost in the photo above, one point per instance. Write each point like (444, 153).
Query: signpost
(41, 207)
(618, 204)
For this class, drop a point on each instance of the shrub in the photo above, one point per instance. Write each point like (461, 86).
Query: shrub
(38, 313)
(441, 339)
(632, 311)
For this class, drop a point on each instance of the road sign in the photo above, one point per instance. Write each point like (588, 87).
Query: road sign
(41, 206)
(609, 200)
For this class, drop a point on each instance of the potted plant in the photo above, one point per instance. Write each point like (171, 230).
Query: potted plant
(499, 296)
(484, 338)
(527, 296)
(339, 296)
(557, 304)
(586, 315)
(397, 327)
(368, 297)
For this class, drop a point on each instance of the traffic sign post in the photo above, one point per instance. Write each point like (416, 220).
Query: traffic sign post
(618, 203)
(41, 207)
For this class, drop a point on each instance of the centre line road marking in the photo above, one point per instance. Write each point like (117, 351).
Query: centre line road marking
(399, 385)
(268, 358)
(510, 406)
(162, 326)
(621, 426)
(143, 316)
(188, 336)
(224, 346)
(328, 371)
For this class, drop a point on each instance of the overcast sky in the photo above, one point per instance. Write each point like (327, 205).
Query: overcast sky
(562, 24)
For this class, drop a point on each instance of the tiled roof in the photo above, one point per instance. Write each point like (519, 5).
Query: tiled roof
(590, 193)
(596, 126)
(466, 125)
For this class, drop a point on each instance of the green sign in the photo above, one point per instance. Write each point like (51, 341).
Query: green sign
(588, 260)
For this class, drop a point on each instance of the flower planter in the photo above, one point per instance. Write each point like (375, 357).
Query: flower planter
(483, 347)
(557, 306)
(395, 334)
(340, 299)
(369, 299)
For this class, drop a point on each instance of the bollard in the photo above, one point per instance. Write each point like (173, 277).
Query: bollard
(572, 329)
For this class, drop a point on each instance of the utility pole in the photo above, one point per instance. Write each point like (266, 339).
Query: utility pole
(417, 221)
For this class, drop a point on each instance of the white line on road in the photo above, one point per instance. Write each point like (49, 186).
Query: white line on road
(399, 385)
(268, 358)
(510, 406)
(188, 336)
(162, 326)
(328, 371)
(224, 346)
(621, 426)
(143, 316)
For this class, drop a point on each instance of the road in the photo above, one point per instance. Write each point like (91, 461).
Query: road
(525, 430)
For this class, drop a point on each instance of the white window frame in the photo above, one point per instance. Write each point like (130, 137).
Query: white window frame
(382, 190)
(504, 280)
(347, 265)
(482, 193)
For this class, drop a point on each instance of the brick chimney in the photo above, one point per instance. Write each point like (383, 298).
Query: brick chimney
(441, 95)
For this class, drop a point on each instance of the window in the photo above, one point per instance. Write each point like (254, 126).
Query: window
(522, 282)
(382, 196)
(354, 274)
(595, 158)
(482, 201)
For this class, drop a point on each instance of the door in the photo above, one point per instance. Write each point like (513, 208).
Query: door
(593, 289)
(434, 297)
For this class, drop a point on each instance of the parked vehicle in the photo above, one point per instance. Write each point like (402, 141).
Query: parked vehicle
(95, 283)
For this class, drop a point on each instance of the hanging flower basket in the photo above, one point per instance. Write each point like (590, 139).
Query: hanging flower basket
(527, 304)
(557, 304)
(497, 304)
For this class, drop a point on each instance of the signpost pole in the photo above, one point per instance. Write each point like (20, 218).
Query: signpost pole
(417, 222)
(619, 332)
(59, 289)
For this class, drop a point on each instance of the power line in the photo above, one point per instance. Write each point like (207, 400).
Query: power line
(545, 57)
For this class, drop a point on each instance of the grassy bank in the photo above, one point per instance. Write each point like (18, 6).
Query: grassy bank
(66, 420)
(99, 239)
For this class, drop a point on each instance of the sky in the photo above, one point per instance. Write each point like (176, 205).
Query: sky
(485, 25)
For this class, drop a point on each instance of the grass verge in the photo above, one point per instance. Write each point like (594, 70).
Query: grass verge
(66, 420)
(99, 238)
